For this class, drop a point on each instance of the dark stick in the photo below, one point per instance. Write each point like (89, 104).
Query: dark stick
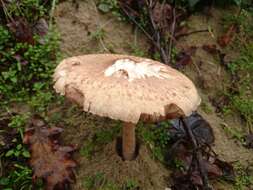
(189, 33)
(141, 28)
(172, 32)
(198, 155)
(163, 54)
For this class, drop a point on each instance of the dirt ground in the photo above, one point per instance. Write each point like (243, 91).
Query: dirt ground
(77, 25)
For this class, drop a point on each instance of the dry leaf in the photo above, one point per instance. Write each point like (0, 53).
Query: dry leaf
(21, 30)
(211, 48)
(49, 160)
(225, 39)
(184, 57)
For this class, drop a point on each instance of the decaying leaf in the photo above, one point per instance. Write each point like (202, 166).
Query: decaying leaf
(7, 135)
(49, 160)
(190, 177)
(225, 39)
(180, 31)
(211, 48)
(200, 128)
(219, 103)
(184, 57)
(21, 30)
(249, 140)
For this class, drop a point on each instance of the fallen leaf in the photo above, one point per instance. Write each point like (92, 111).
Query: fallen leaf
(212, 169)
(182, 182)
(184, 57)
(49, 160)
(225, 39)
(180, 31)
(200, 128)
(21, 30)
(211, 48)
(7, 135)
(191, 177)
(227, 169)
(219, 103)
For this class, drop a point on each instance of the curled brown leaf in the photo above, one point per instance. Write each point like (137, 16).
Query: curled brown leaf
(49, 160)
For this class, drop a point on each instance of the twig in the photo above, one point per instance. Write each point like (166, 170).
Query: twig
(172, 32)
(52, 14)
(198, 155)
(140, 27)
(189, 33)
(163, 54)
(6, 12)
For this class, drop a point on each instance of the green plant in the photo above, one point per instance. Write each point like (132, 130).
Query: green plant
(112, 6)
(23, 65)
(130, 184)
(98, 34)
(206, 107)
(242, 20)
(100, 138)
(19, 178)
(156, 137)
(245, 107)
(233, 132)
(178, 164)
(25, 77)
(244, 178)
(18, 151)
(32, 10)
(93, 181)
(137, 51)
(87, 150)
(98, 181)
(18, 122)
(240, 90)
(242, 69)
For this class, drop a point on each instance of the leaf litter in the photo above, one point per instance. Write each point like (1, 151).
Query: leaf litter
(49, 160)
(7, 135)
(198, 162)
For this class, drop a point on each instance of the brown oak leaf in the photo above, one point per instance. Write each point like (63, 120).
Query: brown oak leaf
(49, 160)
(225, 39)
(184, 57)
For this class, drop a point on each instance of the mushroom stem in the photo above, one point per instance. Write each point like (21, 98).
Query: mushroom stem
(128, 141)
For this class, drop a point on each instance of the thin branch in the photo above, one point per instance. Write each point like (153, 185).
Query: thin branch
(8, 16)
(141, 28)
(163, 54)
(198, 155)
(172, 32)
(189, 33)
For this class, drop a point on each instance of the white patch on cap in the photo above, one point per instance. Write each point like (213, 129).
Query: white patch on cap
(136, 70)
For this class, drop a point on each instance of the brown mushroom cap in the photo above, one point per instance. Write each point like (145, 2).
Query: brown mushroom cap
(131, 89)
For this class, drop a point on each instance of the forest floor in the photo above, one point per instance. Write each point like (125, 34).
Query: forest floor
(83, 30)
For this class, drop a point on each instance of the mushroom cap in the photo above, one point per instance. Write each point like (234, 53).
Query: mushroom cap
(126, 88)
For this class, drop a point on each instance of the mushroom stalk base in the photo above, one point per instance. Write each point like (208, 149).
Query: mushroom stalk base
(128, 141)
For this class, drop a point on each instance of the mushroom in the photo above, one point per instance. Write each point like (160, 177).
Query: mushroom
(126, 88)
